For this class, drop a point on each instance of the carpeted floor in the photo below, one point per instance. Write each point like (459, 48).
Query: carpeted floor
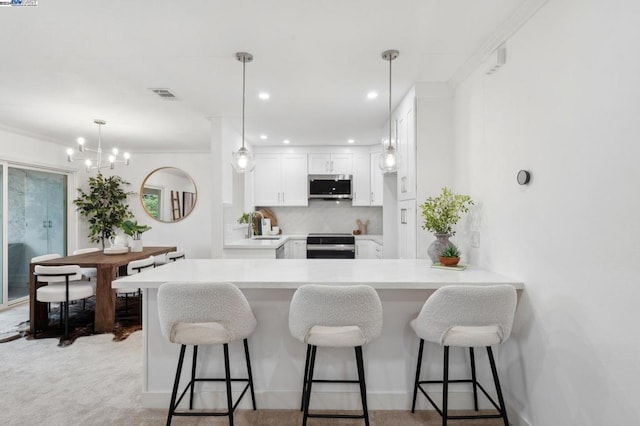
(97, 381)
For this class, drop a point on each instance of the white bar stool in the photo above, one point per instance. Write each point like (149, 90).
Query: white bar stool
(206, 314)
(465, 316)
(334, 316)
(63, 285)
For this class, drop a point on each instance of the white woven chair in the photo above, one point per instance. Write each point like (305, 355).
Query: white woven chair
(63, 284)
(465, 316)
(135, 267)
(172, 256)
(334, 316)
(205, 314)
(88, 273)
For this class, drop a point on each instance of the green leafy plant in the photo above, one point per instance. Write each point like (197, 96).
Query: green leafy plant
(249, 218)
(441, 213)
(132, 229)
(450, 251)
(104, 205)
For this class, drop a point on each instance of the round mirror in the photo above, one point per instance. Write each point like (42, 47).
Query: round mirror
(168, 194)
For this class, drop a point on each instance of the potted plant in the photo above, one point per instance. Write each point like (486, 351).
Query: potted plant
(440, 214)
(450, 256)
(104, 205)
(135, 231)
(249, 219)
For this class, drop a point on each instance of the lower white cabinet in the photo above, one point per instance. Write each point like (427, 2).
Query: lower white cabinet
(296, 249)
(368, 249)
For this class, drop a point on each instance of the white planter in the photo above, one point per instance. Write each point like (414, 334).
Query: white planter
(135, 245)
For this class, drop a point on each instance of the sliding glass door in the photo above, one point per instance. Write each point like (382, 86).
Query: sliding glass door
(34, 220)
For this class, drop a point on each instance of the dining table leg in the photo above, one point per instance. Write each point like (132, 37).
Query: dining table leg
(105, 299)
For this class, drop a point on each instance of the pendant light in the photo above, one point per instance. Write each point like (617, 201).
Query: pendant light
(243, 161)
(389, 158)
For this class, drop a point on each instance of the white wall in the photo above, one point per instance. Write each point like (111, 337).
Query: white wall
(565, 107)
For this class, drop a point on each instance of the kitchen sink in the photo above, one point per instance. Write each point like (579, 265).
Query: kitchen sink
(265, 237)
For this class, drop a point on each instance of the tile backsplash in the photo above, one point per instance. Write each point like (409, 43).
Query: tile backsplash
(327, 216)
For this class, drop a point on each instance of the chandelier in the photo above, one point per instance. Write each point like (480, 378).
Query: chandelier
(100, 163)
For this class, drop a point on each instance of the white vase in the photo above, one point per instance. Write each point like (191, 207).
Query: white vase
(136, 245)
(435, 248)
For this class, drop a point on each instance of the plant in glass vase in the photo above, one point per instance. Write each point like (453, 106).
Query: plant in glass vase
(440, 214)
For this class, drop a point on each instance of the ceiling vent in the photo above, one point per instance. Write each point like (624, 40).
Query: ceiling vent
(164, 93)
(498, 59)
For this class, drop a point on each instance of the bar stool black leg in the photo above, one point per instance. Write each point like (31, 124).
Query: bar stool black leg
(307, 392)
(445, 386)
(193, 375)
(363, 386)
(415, 386)
(227, 372)
(494, 371)
(246, 355)
(473, 377)
(172, 407)
(306, 374)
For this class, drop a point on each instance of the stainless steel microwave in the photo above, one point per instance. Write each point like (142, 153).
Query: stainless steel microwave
(330, 187)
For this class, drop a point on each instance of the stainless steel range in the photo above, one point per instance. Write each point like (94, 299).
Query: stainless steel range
(331, 246)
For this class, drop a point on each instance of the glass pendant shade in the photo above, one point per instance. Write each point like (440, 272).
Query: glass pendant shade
(389, 159)
(243, 161)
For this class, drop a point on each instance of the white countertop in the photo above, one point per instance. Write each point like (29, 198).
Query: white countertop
(247, 243)
(291, 273)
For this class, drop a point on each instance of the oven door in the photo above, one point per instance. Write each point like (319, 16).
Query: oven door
(331, 251)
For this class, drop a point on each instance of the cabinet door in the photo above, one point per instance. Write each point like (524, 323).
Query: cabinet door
(319, 164)
(299, 249)
(341, 164)
(407, 229)
(407, 149)
(294, 180)
(365, 249)
(361, 185)
(376, 180)
(267, 180)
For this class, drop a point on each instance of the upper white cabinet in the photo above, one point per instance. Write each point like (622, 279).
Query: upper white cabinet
(280, 180)
(376, 179)
(406, 142)
(331, 164)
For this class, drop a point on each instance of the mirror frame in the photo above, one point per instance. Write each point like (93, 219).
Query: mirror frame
(195, 196)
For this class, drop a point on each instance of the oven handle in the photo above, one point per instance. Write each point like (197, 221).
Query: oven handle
(334, 247)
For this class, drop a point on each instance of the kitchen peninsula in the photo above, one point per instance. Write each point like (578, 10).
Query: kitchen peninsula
(277, 358)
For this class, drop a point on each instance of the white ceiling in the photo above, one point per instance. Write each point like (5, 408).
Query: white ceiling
(64, 63)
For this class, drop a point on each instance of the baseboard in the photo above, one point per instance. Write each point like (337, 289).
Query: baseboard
(515, 418)
(287, 400)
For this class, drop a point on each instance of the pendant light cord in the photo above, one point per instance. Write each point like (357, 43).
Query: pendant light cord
(390, 59)
(244, 64)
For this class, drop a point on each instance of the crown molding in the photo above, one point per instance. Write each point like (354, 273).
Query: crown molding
(517, 19)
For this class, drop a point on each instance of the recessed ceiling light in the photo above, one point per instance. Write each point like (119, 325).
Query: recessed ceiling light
(351, 141)
(263, 137)
(286, 141)
(372, 95)
(264, 96)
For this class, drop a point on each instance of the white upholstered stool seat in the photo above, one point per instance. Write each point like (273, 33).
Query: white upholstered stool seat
(63, 285)
(465, 316)
(206, 314)
(334, 316)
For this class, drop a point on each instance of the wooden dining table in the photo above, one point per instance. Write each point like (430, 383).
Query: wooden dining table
(107, 266)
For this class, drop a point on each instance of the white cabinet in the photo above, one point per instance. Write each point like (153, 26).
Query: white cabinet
(376, 179)
(368, 249)
(367, 180)
(361, 186)
(296, 249)
(333, 164)
(407, 229)
(406, 142)
(280, 180)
